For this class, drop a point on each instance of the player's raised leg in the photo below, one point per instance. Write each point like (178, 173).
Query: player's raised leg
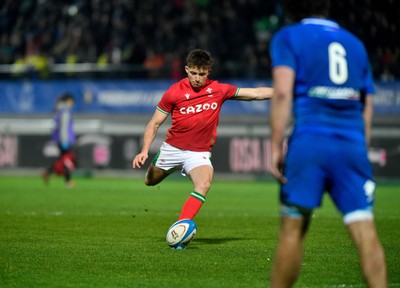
(372, 257)
(201, 177)
(155, 175)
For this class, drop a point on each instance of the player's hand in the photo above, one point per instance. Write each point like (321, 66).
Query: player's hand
(277, 165)
(139, 160)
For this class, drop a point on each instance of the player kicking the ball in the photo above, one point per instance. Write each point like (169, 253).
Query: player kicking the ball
(194, 104)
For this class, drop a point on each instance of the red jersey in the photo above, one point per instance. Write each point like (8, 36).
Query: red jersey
(195, 114)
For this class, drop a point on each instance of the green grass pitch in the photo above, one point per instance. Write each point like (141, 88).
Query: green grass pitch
(110, 232)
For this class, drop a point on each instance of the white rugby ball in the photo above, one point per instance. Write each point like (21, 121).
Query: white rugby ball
(181, 233)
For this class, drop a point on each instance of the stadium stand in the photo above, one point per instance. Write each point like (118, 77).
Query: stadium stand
(148, 39)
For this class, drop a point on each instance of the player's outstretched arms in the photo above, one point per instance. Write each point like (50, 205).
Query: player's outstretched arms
(251, 94)
(139, 160)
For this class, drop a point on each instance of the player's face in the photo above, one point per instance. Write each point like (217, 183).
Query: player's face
(197, 76)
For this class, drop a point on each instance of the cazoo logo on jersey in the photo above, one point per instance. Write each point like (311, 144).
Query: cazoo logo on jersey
(199, 108)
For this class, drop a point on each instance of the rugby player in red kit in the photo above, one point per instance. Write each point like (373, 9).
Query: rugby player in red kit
(194, 104)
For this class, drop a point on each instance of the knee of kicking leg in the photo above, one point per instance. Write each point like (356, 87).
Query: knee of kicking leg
(154, 176)
(149, 178)
(152, 180)
(148, 182)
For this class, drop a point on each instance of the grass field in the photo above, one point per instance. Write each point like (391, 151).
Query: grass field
(111, 233)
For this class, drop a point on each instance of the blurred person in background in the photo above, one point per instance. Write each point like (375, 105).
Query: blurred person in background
(321, 74)
(64, 136)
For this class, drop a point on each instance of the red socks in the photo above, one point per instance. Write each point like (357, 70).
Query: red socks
(192, 206)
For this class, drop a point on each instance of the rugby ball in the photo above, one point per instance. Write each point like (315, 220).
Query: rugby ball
(181, 233)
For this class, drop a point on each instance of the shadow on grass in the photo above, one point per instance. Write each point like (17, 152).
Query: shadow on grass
(218, 240)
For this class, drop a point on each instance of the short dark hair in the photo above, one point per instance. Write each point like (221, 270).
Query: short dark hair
(66, 97)
(299, 9)
(199, 58)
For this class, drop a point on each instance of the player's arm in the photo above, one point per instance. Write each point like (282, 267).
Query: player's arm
(281, 106)
(367, 115)
(250, 94)
(149, 134)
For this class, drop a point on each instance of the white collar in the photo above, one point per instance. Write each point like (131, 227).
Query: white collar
(320, 21)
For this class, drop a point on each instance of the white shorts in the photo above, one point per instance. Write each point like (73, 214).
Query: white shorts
(170, 158)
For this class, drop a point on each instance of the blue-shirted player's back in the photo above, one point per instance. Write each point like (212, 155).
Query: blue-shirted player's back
(321, 72)
(331, 79)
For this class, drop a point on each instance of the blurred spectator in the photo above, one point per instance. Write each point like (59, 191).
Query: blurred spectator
(6, 49)
(153, 63)
(127, 32)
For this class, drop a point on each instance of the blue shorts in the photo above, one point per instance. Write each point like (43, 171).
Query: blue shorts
(316, 164)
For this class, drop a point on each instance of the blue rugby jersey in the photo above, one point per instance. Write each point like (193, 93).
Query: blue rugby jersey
(330, 81)
(63, 131)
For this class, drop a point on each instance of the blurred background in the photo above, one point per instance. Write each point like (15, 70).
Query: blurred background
(118, 57)
(150, 39)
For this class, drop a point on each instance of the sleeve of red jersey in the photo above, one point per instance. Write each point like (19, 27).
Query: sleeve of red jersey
(228, 90)
(166, 103)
